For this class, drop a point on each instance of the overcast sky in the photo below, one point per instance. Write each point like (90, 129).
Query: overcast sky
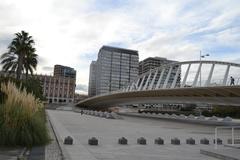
(70, 32)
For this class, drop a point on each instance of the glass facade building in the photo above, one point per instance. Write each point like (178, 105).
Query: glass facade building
(64, 71)
(92, 79)
(115, 68)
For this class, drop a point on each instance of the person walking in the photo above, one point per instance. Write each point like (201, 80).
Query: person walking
(232, 81)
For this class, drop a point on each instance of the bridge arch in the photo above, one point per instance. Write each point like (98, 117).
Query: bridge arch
(168, 76)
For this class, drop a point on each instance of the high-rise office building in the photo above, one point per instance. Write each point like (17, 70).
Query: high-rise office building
(92, 79)
(115, 68)
(64, 71)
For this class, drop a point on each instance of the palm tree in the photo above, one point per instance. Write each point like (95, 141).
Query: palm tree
(30, 61)
(20, 49)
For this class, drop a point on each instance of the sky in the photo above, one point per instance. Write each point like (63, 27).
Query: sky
(71, 32)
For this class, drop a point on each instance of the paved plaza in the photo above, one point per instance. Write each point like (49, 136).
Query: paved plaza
(83, 127)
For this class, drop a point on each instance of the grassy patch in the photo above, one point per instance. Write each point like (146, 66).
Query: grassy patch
(22, 118)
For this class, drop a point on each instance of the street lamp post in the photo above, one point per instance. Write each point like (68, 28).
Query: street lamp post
(201, 56)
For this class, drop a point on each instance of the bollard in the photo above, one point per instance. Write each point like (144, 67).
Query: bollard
(190, 141)
(123, 141)
(182, 116)
(219, 141)
(204, 141)
(142, 141)
(213, 118)
(227, 119)
(174, 116)
(175, 141)
(191, 116)
(109, 116)
(166, 115)
(93, 141)
(159, 141)
(101, 114)
(68, 140)
(201, 117)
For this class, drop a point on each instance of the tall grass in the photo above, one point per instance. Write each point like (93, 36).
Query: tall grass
(22, 118)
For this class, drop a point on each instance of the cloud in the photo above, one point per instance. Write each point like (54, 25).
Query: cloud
(48, 68)
(71, 32)
(81, 88)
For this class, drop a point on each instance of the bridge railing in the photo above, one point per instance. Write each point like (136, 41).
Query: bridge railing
(203, 83)
(214, 82)
(160, 77)
(230, 135)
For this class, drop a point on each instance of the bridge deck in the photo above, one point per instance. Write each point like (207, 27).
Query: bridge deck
(221, 95)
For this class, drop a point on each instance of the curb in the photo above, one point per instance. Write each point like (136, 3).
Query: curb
(64, 153)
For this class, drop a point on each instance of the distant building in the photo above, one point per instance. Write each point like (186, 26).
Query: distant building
(92, 79)
(153, 62)
(64, 71)
(58, 89)
(115, 68)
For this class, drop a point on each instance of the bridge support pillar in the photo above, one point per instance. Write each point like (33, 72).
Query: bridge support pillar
(176, 77)
(146, 84)
(137, 84)
(226, 75)
(132, 86)
(140, 87)
(186, 75)
(210, 75)
(153, 80)
(167, 78)
(197, 75)
(160, 78)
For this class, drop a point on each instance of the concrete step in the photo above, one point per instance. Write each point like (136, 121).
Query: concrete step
(236, 146)
(223, 153)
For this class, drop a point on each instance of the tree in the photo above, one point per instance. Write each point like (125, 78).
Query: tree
(20, 55)
(30, 62)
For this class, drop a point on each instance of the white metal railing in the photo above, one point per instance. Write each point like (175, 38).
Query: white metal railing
(233, 129)
(213, 83)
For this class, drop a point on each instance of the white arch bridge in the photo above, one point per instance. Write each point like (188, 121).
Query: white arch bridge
(179, 82)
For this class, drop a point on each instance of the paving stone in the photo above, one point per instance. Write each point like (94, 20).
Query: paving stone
(84, 127)
(52, 150)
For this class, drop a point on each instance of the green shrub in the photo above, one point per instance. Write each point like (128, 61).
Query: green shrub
(223, 111)
(32, 85)
(22, 118)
